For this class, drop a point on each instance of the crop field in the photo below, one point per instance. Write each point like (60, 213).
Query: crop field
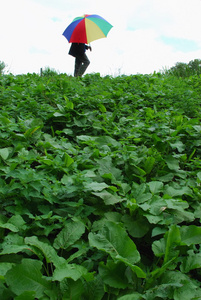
(100, 187)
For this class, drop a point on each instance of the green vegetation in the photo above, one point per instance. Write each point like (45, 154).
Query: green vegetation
(2, 67)
(186, 70)
(100, 187)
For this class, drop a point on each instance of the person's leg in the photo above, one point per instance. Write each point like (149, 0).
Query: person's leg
(85, 64)
(78, 64)
(81, 65)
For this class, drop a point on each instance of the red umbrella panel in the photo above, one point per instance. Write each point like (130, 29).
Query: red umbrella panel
(86, 29)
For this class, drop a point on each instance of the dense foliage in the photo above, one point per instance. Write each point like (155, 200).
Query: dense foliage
(185, 70)
(2, 67)
(100, 187)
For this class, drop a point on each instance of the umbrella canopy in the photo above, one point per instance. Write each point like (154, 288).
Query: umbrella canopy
(86, 29)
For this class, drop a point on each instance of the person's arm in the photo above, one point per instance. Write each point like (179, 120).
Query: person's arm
(88, 47)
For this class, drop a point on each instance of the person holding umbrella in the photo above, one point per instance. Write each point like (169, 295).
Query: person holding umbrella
(77, 50)
(82, 31)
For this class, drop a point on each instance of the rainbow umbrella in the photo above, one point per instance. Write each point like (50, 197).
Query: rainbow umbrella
(86, 29)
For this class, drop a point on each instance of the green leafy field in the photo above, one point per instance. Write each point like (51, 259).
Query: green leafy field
(100, 187)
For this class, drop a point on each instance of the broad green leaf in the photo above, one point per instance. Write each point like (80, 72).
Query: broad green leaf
(197, 128)
(109, 198)
(18, 221)
(95, 289)
(5, 292)
(69, 105)
(139, 190)
(144, 198)
(173, 239)
(9, 226)
(96, 186)
(68, 160)
(158, 231)
(67, 180)
(176, 204)
(172, 163)
(113, 239)
(107, 140)
(199, 176)
(149, 164)
(47, 250)
(13, 239)
(174, 278)
(178, 145)
(162, 291)
(153, 219)
(113, 274)
(77, 254)
(137, 171)
(66, 270)
(191, 262)
(190, 235)
(197, 213)
(159, 272)
(5, 121)
(156, 187)
(80, 121)
(157, 204)
(61, 108)
(72, 290)
(158, 247)
(172, 192)
(137, 270)
(31, 295)
(26, 277)
(112, 216)
(136, 226)
(140, 193)
(187, 291)
(167, 246)
(134, 296)
(107, 167)
(4, 153)
(8, 249)
(180, 211)
(68, 131)
(69, 234)
(57, 114)
(86, 138)
(166, 178)
(4, 267)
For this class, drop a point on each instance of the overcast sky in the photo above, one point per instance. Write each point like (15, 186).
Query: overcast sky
(147, 35)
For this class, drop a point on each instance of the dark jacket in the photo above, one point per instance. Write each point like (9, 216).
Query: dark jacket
(77, 49)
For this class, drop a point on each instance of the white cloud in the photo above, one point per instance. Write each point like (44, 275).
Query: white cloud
(32, 34)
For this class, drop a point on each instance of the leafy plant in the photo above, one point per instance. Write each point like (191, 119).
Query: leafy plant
(2, 66)
(100, 187)
(186, 70)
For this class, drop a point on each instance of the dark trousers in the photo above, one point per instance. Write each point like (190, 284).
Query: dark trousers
(81, 64)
